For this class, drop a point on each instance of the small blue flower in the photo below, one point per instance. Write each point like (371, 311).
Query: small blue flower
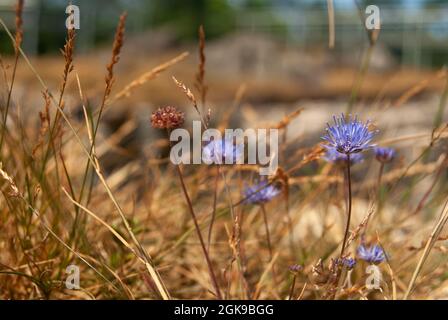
(217, 151)
(338, 158)
(260, 193)
(373, 254)
(350, 136)
(384, 155)
(349, 262)
(295, 268)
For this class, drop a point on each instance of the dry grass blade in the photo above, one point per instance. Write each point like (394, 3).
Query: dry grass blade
(104, 223)
(429, 245)
(151, 270)
(19, 26)
(116, 49)
(200, 76)
(16, 193)
(265, 273)
(418, 88)
(288, 118)
(17, 41)
(145, 77)
(56, 128)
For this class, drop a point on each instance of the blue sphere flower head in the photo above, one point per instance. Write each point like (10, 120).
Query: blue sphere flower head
(349, 136)
(222, 151)
(373, 254)
(261, 192)
(384, 155)
(340, 159)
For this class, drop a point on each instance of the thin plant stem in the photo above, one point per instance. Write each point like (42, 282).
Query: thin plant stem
(17, 41)
(425, 197)
(236, 228)
(68, 67)
(378, 186)
(268, 236)
(440, 111)
(293, 285)
(8, 101)
(92, 147)
(429, 245)
(116, 49)
(212, 220)
(349, 206)
(198, 231)
(380, 176)
(229, 198)
(378, 198)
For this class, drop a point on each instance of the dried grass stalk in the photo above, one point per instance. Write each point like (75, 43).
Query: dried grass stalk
(19, 26)
(116, 49)
(145, 77)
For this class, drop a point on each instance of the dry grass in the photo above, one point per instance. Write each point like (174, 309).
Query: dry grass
(131, 232)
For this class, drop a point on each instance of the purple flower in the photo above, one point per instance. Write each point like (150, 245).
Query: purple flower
(261, 192)
(217, 151)
(384, 155)
(350, 136)
(338, 158)
(295, 268)
(348, 262)
(373, 254)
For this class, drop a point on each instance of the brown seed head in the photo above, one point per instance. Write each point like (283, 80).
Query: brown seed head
(167, 118)
(19, 26)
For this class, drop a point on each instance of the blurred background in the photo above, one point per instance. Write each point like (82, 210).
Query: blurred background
(276, 53)
(414, 32)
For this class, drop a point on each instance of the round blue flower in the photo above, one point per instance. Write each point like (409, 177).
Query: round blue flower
(260, 193)
(217, 151)
(350, 136)
(373, 254)
(338, 158)
(384, 155)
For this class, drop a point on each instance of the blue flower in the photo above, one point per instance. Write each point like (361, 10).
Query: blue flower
(384, 155)
(350, 136)
(338, 158)
(373, 254)
(217, 151)
(295, 268)
(348, 262)
(260, 193)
